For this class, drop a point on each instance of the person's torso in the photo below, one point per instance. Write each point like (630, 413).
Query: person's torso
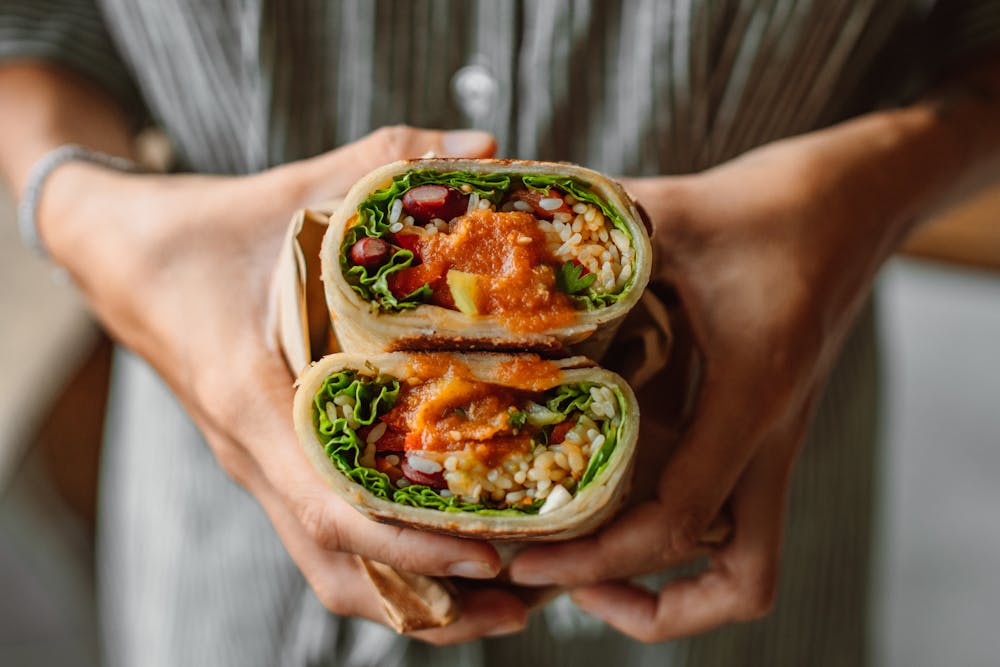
(630, 87)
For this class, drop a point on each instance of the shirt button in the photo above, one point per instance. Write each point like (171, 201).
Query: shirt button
(476, 91)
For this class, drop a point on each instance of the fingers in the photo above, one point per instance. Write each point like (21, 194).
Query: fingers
(741, 582)
(400, 142)
(342, 587)
(632, 545)
(334, 525)
(656, 535)
(261, 426)
(333, 173)
(485, 613)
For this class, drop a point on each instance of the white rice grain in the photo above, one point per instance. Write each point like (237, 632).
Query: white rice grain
(426, 466)
(376, 433)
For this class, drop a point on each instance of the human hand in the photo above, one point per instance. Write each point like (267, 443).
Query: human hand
(178, 268)
(771, 255)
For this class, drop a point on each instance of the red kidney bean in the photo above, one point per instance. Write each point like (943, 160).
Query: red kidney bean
(370, 252)
(391, 441)
(434, 201)
(435, 481)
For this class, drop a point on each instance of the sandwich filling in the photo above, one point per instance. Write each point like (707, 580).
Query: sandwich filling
(440, 439)
(531, 250)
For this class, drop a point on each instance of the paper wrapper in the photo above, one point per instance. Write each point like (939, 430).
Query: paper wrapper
(360, 328)
(301, 330)
(300, 323)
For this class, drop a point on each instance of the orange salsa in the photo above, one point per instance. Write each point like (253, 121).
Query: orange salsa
(508, 251)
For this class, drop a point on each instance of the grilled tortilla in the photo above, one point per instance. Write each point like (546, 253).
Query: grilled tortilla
(483, 255)
(489, 446)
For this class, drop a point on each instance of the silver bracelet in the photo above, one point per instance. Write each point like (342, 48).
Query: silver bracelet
(27, 210)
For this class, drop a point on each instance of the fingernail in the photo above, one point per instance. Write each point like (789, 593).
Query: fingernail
(508, 628)
(458, 143)
(472, 569)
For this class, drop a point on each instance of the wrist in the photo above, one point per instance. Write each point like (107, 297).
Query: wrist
(77, 208)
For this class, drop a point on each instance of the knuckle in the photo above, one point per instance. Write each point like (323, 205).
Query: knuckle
(318, 523)
(758, 598)
(396, 550)
(331, 599)
(393, 141)
(685, 533)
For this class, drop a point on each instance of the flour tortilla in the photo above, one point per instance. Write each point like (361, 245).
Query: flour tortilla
(361, 328)
(585, 513)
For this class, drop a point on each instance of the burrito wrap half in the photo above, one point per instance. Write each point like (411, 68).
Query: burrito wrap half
(362, 325)
(589, 506)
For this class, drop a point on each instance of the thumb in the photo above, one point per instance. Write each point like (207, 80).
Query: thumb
(400, 142)
(332, 173)
(467, 143)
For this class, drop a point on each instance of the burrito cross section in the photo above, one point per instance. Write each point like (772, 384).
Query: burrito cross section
(435, 436)
(530, 250)
(501, 446)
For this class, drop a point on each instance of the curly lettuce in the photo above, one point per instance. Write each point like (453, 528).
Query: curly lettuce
(577, 397)
(375, 396)
(373, 220)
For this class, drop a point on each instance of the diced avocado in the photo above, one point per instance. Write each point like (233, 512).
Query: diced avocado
(465, 291)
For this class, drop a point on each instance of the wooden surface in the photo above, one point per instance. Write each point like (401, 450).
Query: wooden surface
(968, 235)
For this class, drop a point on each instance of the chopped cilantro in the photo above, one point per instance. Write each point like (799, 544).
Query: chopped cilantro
(518, 419)
(570, 278)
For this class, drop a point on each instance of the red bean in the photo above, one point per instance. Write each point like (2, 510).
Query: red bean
(370, 252)
(391, 441)
(434, 201)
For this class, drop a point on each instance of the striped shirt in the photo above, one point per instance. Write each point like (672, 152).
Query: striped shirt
(191, 571)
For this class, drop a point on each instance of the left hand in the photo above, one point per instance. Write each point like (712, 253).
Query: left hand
(772, 255)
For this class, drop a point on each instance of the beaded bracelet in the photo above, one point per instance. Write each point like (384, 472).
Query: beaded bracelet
(27, 210)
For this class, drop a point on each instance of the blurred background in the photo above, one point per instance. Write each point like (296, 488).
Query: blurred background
(937, 593)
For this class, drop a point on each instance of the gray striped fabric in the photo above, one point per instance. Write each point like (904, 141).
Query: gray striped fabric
(191, 572)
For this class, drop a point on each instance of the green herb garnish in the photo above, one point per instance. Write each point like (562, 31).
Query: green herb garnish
(573, 278)
(518, 419)
(375, 396)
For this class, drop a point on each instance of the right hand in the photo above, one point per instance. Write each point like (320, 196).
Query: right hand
(178, 269)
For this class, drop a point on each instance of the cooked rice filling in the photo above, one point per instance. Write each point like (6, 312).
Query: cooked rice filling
(404, 249)
(475, 445)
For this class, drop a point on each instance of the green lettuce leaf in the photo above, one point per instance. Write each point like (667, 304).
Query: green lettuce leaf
(374, 397)
(576, 397)
(373, 220)
(373, 215)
